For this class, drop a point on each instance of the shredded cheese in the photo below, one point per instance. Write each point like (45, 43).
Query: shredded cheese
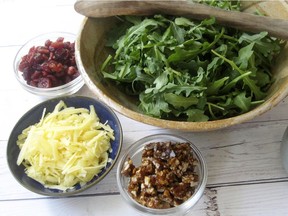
(67, 146)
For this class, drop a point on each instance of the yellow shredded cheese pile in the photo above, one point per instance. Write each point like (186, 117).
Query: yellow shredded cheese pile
(67, 146)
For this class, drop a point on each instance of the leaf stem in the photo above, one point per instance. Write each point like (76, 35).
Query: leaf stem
(255, 89)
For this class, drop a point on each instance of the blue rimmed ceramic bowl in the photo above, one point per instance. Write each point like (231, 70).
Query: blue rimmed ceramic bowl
(33, 116)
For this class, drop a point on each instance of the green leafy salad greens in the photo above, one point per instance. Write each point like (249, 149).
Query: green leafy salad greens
(190, 70)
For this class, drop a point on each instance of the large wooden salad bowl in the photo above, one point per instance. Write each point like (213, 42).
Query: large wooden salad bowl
(91, 52)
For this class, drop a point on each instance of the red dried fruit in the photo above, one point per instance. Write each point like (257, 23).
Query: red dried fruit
(60, 39)
(71, 70)
(24, 64)
(56, 45)
(36, 75)
(47, 43)
(44, 82)
(42, 49)
(61, 74)
(75, 75)
(50, 65)
(67, 79)
(61, 54)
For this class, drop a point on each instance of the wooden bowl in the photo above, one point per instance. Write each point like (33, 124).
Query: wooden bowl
(90, 54)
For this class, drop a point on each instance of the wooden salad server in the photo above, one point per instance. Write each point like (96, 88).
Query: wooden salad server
(240, 20)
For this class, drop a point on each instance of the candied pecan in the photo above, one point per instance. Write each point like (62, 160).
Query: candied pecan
(188, 178)
(155, 202)
(161, 178)
(181, 191)
(180, 169)
(167, 197)
(128, 168)
(134, 190)
(148, 151)
(147, 189)
(166, 177)
(173, 163)
(138, 175)
(157, 163)
(162, 150)
(148, 167)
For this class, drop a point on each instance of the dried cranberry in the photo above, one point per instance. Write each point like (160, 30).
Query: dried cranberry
(27, 75)
(45, 73)
(36, 75)
(53, 65)
(71, 70)
(56, 45)
(23, 64)
(61, 54)
(44, 82)
(43, 50)
(33, 83)
(47, 43)
(61, 74)
(67, 79)
(51, 56)
(72, 60)
(60, 39)
(50, 65)
(38, 58)
(72, 46)
(55, 80)
(75, 75)
(45, 67)
(67, 45)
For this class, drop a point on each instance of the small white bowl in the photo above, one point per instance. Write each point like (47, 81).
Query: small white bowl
(62, 90)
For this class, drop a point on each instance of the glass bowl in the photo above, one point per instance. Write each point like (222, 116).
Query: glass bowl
(105, 114)
(134, 152)
(62, 90)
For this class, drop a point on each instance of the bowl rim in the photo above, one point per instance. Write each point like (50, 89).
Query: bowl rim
(184, 207)
(170, 124)
(77, 82)
(91, 183)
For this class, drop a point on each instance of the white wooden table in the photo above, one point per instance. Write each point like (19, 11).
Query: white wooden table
(246, 176)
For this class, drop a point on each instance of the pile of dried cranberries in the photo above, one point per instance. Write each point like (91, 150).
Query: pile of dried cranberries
(50, 65)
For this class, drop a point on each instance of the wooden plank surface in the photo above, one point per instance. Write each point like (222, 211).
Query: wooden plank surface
(246, 176)
(228, 200)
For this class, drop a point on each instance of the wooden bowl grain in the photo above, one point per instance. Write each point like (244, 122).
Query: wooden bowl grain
(91, 52)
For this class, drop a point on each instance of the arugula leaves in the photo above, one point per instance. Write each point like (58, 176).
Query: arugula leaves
(190, 70)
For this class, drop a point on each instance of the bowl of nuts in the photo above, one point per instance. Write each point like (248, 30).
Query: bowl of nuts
(162, 174)
(46, 66)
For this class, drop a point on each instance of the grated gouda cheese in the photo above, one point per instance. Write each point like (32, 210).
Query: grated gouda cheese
(67, 146)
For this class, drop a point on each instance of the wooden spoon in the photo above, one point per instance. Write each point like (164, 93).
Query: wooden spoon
(240, 20)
